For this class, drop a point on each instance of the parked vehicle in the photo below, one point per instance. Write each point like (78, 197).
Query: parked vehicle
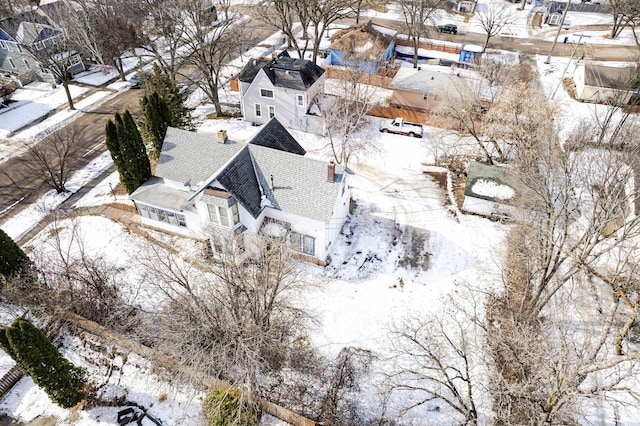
(134, 81)
(448, 28)
(401, 127)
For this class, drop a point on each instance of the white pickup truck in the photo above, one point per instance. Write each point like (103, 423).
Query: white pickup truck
(401, 127)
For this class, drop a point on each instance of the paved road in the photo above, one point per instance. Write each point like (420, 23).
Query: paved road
(597, 52)
(16, 183)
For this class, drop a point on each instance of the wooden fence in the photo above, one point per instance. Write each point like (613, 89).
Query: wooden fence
(372, 79)
(172, 364)
(440, 46)
(435, 120)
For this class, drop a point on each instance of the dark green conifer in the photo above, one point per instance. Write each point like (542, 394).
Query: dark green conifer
(12, 258)
(37, 357)
(161, 83)
(128, 151)
(156, 120)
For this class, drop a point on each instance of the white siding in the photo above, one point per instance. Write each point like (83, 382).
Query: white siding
(285, 102)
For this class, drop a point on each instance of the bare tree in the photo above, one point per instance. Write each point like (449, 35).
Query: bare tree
(624, 13)
(209, 49)
(72, 278)
(323, 13)
(345, 115)
(53, 158)
(105, 31)
(436, 362)
(575, 249)
(164, 34)
(234, 316)
(340, 402)
(493, 18)
(418, 15)
(57, 54)
(284, 14)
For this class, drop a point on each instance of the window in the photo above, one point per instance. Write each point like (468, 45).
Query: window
(12, 64)
(224, 216)
(160, 215)
(425, 96)
(258, 110)
(300, 100)
(26, 64)
(3, 45)
(220, 215)
(303, 243)
(266, 93)
(272, 111)
(74, 60)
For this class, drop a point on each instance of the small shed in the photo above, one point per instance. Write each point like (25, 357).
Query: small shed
(470, 53)
(601, 83)
(493, 191)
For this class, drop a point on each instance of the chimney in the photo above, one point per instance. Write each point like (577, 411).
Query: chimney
(331, 171)
(222, 136)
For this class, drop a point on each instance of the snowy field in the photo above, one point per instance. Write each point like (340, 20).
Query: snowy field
(401, 219)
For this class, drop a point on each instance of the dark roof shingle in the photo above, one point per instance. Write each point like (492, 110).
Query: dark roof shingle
(274, 135)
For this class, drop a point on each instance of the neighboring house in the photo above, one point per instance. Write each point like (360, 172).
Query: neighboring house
(493, 191)
(425, 89)
(605, 84)
(209, 186)
(282, 88)
(25, 33)
(464, 6)
(363, 47)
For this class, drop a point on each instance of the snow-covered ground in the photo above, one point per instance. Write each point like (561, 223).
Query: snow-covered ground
(519, 27)
(401, 219)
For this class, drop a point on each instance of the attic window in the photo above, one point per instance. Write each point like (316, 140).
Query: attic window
(266, 93)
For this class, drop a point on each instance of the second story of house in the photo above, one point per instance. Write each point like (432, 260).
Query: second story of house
(281, 87)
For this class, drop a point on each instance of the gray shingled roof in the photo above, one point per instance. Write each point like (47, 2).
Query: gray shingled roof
(300, 183)
(284, 71)
(274, 135)
(188, 156)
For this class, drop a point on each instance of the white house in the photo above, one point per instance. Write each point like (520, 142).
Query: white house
(281, 87)
(208, 185)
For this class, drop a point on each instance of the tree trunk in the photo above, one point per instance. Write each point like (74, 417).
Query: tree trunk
(65, 84)
(416, 46)
(117, 62)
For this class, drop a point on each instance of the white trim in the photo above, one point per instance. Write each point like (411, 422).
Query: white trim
(300, 101)
(271, 111)
(257, 110)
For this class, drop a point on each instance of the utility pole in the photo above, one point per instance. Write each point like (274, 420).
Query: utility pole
(567, 66)
(555, 40)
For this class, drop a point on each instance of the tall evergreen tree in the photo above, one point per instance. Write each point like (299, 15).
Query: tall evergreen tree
(156, 120)
(12, 258)
(37, 357)
(127, 149)
(161, 83)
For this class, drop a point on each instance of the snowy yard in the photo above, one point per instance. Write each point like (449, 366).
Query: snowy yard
(402, 230)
